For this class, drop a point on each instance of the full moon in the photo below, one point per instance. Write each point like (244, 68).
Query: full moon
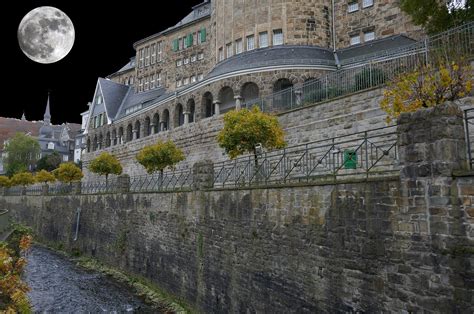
(46, 35)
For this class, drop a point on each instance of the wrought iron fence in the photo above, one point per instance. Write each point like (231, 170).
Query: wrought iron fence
(169, 181)
(370, 153)
(36, 189)
(371, 70)
(111, 185)
(14, 191)
(60, 189)
(469, 125)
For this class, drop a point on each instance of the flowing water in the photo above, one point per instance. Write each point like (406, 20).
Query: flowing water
(59, 286)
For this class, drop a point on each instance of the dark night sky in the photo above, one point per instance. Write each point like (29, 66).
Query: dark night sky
(105, 33)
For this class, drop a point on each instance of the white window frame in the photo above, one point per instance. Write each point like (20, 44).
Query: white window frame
(152, 82)
(140, 58)
(186, 61)
(146, 85)
(277, 37)
(220, 54)
(355, 40)
(200, 77)
(369, 36)
(250, 42)
(353, 7)
(185, 81)
(201, 56)
(179, 62)
(193, 79)
(180, 44)
(178, 83)
(367, 3)
(158, 79)
(229, 50)
(159, 48)
(238, 46)
(193, 58)
(147, 56)
(263, 40)
(153, 53)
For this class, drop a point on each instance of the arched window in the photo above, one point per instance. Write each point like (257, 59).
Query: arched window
(147, 129)
(226, 97)
(137, 129)
(156, 123)
(88, 145)
(129, 133)
(250, 94)
(191, 108)
(94, 144)
(101, 141)
(114, 137)
(120, 135)
(283, 94)
(207, 105)
(179, 115)
(166, 120)
(107, 139)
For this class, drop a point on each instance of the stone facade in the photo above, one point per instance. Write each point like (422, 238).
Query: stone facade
(384, 18)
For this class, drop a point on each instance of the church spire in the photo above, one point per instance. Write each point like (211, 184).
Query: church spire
(23, 117)
(47, 114)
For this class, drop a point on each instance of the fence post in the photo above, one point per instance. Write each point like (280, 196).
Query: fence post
(203, 175)
(123, 182)
(45, 189)
(76, 187)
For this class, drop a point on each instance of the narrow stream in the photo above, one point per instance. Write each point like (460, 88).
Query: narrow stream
(59, 286)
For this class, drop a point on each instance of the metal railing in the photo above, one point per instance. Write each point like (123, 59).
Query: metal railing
(370, 153)
(371, 70)
(60, 189)
(469, 127)
(111, 185)
(169, 181)
(36, 189)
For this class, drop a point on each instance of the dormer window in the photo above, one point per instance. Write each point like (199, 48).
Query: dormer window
(50, 145)
(99, 99)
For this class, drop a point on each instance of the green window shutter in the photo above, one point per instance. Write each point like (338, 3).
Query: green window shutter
(190, 40)
(203, 34)
(185, 39)
(175, 45)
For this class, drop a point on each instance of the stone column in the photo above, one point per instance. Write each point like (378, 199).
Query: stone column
(298, 96)
(134, 132)
(217, 104)
(123, 183)
(152, 128)
(238, 102)
(117, 140)
(432, 146)
(203, 175)
(162, 125)
(186, 117)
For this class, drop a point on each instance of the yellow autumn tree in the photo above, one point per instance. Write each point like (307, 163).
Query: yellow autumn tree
(427, 87)
(245, 129)
(44, 176)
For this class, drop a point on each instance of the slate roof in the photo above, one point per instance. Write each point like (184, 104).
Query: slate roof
(144, 98)
(113, 94)
(378, 46)
(129, 66)
(275, 56)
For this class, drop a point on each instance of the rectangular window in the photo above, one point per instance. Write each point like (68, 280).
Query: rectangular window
(140, 58)
(277, 37)
(180, 44)
(147, 56)
(186, 61)
(179, 62)
(131, 80)
(140, 85)
(369, 36)
(250, 42)
(190, 40)
(201, 56)
(175, 45)
(104, 119)
(200, 77)
(152, 83)
(238, 46)
(146, 83)
(352, 7)
(159, 49)
(158, 80)
(153, 54)
(186, 81)
(355, 40)
(193, 79)
(367, 3)
(221, 54)
(229, 50)
(195, 36)
(193, 58)
(202, 35)
(263, 40)
(178, 83)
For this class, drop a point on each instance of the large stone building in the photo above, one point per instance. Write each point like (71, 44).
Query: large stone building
(227, 54)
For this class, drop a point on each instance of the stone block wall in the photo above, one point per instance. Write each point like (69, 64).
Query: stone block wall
(399, 244)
